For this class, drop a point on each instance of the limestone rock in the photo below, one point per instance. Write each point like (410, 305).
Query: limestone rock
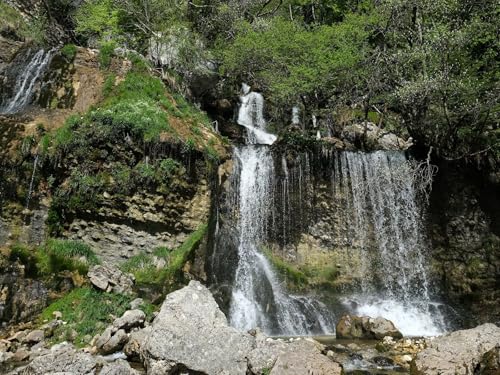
(119, 367)
(110, 279)
(190, 333)
(116, 342)
(456, 353)
(304, 357)
(34, 336)
(363, 327)
(130, 319)
(61, 358)
(135, 342)
(136, 303)
(375, 137)
(490, 362)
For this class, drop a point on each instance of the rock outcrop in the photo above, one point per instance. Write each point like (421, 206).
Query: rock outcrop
(456, 353)
(110, 279)
(363, 327)
(374, 137)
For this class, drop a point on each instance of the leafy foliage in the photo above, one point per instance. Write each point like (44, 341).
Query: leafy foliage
(69, 51)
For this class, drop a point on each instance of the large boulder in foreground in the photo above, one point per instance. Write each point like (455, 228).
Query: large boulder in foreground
(364, 327)
(457, 353)
(191, 334)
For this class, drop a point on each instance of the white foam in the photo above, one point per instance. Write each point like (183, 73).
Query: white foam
(420, 319)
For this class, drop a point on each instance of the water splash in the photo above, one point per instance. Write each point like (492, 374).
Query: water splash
(25, 82)
(387, 226)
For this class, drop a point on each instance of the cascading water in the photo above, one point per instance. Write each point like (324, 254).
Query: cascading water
(258, 299)
(386, 223)
(251, 116)
(26, 81)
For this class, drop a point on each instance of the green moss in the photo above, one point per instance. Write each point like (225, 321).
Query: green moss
(87, 311)
(294, 278)
(69, 51)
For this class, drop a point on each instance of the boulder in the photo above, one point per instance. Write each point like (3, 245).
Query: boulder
(61, 358)
(115, 336)
(304, 357)
(34, 336)
(191, 334)
(130, 319)
(65, 359)
(114, 343)
(119, 367)
(135, 342)
(490, 362)
(456, 353)
(363, 327)
(110, 279)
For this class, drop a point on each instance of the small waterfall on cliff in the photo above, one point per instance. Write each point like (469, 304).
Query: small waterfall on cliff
(251, 116)
(258, 299)
(25, 83)
(30, 190)
(387, 226)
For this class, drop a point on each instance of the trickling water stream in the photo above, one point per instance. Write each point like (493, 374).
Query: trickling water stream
(25, 83)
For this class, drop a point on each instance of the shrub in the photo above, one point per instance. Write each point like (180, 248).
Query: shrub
(69, 51)
(106, 53)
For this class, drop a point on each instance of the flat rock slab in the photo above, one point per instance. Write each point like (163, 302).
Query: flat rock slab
(456, 353)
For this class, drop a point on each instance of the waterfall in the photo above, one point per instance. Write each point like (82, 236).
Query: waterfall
(30, 190)
(386, 223)
(26, 81)
(258, 298)
(251, 116)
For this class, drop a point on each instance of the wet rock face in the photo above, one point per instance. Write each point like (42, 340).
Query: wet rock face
(457, 353)
(465, 233)
(20, 298)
